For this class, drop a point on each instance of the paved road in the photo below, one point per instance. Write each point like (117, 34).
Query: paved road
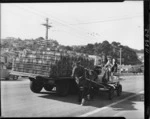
(18, 101)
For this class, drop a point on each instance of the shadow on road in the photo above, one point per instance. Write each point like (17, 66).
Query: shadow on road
(130, 104)
(100, 100)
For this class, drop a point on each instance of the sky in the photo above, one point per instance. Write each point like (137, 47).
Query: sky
(76, 23)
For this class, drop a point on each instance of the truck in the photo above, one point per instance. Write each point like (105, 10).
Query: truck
(4, 72)
(50, 68)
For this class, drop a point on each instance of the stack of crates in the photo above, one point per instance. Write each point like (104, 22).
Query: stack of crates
(35, 62)
(50, 63)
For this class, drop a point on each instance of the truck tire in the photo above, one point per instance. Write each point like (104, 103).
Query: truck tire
(62, 87)
(36, 86)
(119, 90)
(111, 93)
(48, 87)
(73, 87)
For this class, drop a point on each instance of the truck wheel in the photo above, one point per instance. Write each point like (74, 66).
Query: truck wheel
(111, 93)
(119, 90)
(48, 87)
(62, 87)
(36, 86)
(73, 87)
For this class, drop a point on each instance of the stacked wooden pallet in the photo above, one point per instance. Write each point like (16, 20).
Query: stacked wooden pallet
(50, 63)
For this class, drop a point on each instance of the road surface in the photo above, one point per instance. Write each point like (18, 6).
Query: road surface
(17, 100)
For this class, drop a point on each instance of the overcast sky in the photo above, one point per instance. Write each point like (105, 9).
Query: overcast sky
(76, 23)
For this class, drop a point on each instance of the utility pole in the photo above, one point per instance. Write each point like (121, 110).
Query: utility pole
(47, 27)
(120, 55)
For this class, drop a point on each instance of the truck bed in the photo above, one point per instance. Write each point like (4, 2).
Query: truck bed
(16, 73)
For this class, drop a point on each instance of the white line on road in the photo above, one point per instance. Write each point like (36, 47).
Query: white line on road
(119, 113)
(103, 108)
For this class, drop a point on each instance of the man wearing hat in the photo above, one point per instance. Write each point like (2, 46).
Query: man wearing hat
(78, 73)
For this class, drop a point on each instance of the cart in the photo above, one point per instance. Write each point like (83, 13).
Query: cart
(110, 87)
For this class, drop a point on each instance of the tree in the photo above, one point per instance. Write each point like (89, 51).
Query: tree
(39, 39)
(69, 48)
(130, 56)
(115, 44)
(90, 49)
(106, 47)
(97, 49)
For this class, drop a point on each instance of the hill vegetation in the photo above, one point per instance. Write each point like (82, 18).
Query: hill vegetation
(105, 48)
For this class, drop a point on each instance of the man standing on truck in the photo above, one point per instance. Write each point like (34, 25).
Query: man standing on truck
(108, 67)
(109, 63)
(114, 66)
(78, 73)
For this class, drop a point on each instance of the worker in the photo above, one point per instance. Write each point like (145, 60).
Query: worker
(78, 73)
(109, 63)
(114, 66)
(108, 66)
(91, 75)
(114, 76)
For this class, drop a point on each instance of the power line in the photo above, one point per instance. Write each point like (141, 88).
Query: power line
(67, 25)
(59, 20)
(64, 24)
(43, 16)
(93, 22)
(33, 12)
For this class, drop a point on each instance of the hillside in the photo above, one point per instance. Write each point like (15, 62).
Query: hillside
(129, 55)
(139, 51)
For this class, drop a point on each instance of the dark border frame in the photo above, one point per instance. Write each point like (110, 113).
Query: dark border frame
(146, 57)
(146, 43)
